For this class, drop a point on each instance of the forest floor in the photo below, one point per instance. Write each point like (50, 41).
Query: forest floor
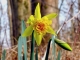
(65, 55)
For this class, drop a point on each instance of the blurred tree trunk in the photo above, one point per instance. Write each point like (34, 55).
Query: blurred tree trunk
(20, 10)
(79, 4)
(10, 22)
(24, 9)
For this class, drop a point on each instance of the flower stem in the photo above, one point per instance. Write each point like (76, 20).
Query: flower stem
(48, 48)
(36, 56)
(32, 47)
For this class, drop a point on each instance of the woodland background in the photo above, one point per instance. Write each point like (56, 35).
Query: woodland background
(13, 11)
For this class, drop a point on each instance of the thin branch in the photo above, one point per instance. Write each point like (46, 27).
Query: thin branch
(67, 21)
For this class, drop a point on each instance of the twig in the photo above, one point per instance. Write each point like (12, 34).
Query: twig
(67, 21)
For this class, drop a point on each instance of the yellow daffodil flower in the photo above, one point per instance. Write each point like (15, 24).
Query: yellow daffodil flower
(41, 26)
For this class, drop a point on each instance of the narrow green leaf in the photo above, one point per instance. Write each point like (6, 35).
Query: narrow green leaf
(23, 26)
(63, 44)
(48, 48)
(4, 55)
(19, 48)
(32, 47)
(54, 48)
(22, 42)
(59, 55)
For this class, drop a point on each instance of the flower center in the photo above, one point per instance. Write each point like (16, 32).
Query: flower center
(40, 27)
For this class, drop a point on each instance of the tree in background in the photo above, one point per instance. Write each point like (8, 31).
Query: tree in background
(18, 10)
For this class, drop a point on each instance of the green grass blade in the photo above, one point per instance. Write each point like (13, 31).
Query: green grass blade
(59, 55)
(48, 48)
(4, 55)
(32, 47)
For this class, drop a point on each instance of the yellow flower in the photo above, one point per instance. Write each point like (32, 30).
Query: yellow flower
(41, 26)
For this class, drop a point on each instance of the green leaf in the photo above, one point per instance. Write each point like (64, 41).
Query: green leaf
(51, 16)
(59, 55)
(4, 55)
(38, 38)
(23, 26)
(22, 42)
(28, 31)
(53, 47)
(63, 44)
(37, 12)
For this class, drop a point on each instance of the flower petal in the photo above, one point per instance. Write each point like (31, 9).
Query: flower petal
(63, 44)
(31, 19)
(37, 12)
(50, 30)
(38, 38)
(28, 31)
(50, 16)
(49, 22)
